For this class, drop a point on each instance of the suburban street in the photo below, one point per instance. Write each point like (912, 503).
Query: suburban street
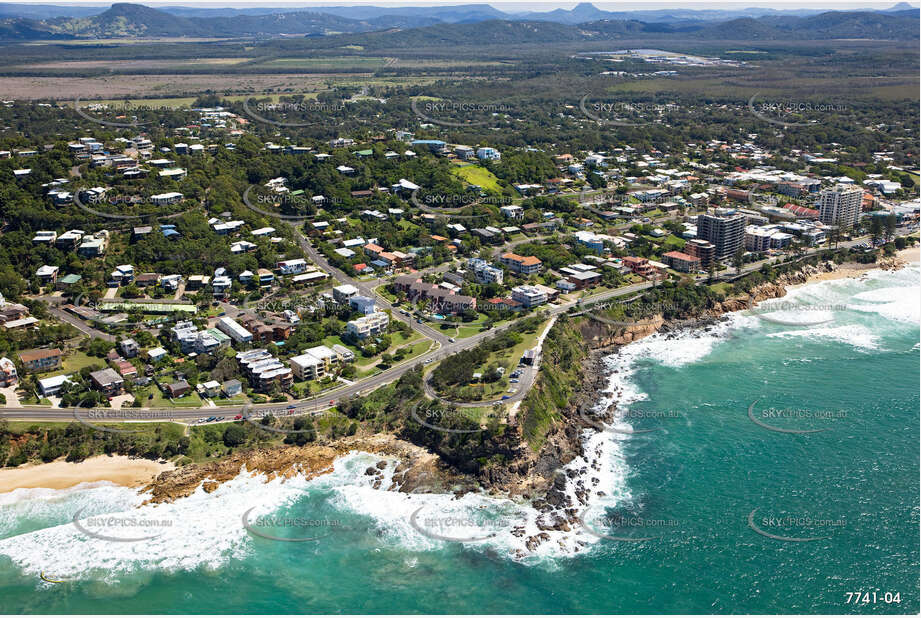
(328, 398)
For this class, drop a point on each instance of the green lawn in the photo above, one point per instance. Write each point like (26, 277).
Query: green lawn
(192, 400)
(237, 400)
(508, 359)
(673, 243)
(480, 176)
(467, 329)
(77, 360)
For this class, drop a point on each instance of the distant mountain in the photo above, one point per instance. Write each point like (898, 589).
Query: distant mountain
(48, 11)
(402, 27)
(135, 20)
(586, 12)
(830, 25)
(901, 6)
(20, 29)
(126, 20)
(451, 14)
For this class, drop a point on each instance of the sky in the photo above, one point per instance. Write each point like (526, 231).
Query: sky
(515, 5)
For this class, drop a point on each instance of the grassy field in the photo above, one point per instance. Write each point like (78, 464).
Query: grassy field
(345, 62)
(507, 358)
(476, 175)
(192, 400)
(237, 400)
(468, 329)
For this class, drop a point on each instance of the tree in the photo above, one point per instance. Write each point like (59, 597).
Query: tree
(876, 229)
(738, 259)
(891, 223)
(234, 435)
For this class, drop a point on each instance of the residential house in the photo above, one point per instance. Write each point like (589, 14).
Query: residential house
(40, 360)
(107, 381)
(367, 325)
(8, 374)
(524, 265)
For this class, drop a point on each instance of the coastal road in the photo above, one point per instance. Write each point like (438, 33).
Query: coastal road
(322, 401)
(525, 381)
(80, 325)
(327, 399)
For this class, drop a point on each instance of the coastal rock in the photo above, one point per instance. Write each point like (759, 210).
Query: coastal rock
(276, 462)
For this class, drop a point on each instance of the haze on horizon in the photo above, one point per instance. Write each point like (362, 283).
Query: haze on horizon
(509, 6)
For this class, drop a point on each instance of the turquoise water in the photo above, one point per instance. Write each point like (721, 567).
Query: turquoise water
(842, 356)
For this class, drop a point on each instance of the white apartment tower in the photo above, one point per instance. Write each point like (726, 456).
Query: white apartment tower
(840, 206)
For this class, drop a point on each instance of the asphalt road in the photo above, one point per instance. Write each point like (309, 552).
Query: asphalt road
(328, 398)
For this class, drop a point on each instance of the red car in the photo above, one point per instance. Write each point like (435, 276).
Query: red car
(238, 417)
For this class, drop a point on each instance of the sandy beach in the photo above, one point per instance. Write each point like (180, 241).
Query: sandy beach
(853, 269)
(119, 469)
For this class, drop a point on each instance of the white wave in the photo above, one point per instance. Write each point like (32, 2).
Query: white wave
(855, 335)
(41, 507)
(481, 521)
(900, 304)
(203, 530)
(882, 295)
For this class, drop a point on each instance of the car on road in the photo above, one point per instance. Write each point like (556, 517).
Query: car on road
(238, 417)
(452, 339)
(291, 407)
(504, 397)
(513, 381)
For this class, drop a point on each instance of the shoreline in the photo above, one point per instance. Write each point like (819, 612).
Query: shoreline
(853, 270)
(118, 469)
(136, 472)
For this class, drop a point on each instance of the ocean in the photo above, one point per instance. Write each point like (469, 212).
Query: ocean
(768, 464)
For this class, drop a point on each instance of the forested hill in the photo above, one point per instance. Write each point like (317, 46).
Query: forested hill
(405, 31)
